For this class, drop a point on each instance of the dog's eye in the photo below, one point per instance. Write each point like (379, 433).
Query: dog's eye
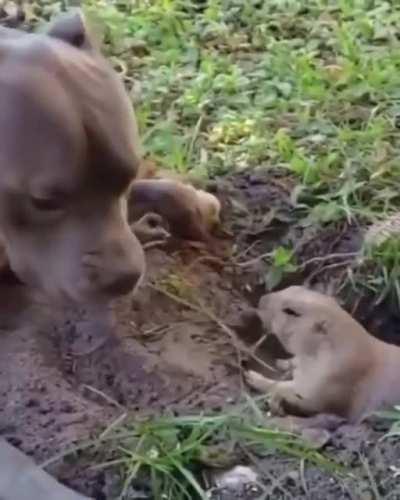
(291, 312)
(46, 204)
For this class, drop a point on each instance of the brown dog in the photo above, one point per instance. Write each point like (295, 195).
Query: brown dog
(69, 152)
(337, 367)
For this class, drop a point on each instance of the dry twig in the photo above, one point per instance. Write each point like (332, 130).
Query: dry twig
(200, 308)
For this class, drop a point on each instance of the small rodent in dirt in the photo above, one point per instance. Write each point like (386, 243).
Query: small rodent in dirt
(191, 213)
(150, 227)
(337, 367)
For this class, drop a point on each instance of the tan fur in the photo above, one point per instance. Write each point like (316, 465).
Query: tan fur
(337, 366)
(210, 208)
(69, 150)
(191, 214)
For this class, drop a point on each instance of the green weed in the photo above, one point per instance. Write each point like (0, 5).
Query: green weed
(379, 271)
(171, 452)
(282, 263)
(311, 87)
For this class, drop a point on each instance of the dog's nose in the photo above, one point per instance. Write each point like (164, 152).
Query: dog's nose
(123, 283)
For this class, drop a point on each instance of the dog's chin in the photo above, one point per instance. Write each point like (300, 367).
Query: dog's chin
(54, 298)
(82, 295)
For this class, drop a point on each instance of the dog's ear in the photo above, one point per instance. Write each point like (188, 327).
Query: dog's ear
(71, 27)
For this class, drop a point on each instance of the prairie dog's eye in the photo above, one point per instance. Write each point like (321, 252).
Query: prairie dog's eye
(291, 312)
(154, 222)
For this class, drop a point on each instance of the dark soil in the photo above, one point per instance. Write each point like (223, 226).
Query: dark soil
(162, 356)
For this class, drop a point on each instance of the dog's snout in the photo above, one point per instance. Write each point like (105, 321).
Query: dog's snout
(122, 283)
(115, 268)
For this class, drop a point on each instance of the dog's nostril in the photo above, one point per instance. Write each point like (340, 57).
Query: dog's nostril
(123, 284)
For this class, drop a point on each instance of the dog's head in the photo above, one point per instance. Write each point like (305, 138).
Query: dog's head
(69, 150)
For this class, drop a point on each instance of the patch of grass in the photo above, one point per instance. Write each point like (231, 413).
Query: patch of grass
(378, 272)
(312, 88)
(172, 452)
(309, 87)
(392, 416)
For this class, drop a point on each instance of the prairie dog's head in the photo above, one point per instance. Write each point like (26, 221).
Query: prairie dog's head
(302, 318)
(210, 208)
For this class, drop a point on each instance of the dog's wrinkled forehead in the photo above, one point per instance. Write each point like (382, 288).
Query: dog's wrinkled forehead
(117, 143)
(67, 91)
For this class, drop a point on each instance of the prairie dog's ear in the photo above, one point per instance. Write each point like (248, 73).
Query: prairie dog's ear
(321, 327)
(71, 27)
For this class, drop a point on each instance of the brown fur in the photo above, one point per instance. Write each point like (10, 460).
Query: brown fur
(337, 367)
(69, 152)
(149, 169)
(190, 213)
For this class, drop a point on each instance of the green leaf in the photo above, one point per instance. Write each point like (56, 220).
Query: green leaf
(327, 212)
(282, 256)
(284, 144)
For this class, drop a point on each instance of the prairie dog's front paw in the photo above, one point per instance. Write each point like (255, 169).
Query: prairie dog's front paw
(285, 400)
(284, 364)
(257, 381)
(277, 404)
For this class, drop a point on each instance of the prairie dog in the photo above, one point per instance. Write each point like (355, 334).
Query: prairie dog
(337, 366)
(190, 213)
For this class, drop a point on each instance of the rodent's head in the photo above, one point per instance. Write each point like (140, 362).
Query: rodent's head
(300, 317)
(210, 208)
